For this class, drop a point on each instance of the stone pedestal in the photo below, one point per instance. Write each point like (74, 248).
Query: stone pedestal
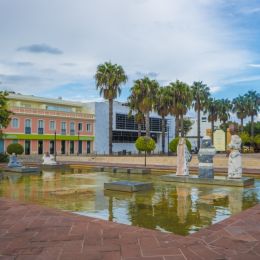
(205, 157)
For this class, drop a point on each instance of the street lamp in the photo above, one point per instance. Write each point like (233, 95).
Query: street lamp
(78, 144)
(55, 145)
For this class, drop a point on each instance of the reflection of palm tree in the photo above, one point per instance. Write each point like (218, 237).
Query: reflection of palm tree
(110, 209)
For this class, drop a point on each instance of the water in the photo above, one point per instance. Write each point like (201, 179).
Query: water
(169, 207)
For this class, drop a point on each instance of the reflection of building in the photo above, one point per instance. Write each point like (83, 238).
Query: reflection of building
(38, 122)
(183, 202)
(125, 129)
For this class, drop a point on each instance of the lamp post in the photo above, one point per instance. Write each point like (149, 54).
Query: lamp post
(78, 144)
(55, 145)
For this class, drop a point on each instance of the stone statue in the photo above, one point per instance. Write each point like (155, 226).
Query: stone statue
(48, 159)
(183, 158)
(205, 157)
(234, 160)
(13, 162)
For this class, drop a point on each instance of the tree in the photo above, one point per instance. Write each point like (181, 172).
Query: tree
(174, 143)
(4, 112)
(15, 148)
(144, 90)
(146, 144)
(182, 100)
(133, 103)
(252, 107)
(109, 78)
(162, 106)
(212, 107)
(201, 94)
(240, 109)
(187, 124)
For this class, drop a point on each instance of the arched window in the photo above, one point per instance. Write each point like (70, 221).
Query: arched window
(15, 123)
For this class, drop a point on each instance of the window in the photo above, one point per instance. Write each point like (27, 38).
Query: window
(59, 108)
(88, 127)
(28, 123)
(204, 119)
(52, 125)
(40, 124)
(15, 123)
(63, 126)
(72, 126)
(80, 126)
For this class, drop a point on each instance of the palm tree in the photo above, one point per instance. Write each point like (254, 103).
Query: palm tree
(133, 103)
(182, 95)
(212, 107)
(162, 105)
(225, 106)
(252, 107)
(109, 78)
(240, 109)
(145, 91)
(201, 94)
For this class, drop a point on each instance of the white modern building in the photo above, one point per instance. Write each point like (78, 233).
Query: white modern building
(125, 130)
(204, 125)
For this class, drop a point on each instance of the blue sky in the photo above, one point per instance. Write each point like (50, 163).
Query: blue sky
(52, 48)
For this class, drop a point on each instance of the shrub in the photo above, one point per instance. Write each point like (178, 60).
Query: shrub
(174, 143)
(245, 138)
(145, 143)
(15, 148)
(3, 157)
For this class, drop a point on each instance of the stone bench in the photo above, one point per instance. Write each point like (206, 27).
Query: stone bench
(128, 186)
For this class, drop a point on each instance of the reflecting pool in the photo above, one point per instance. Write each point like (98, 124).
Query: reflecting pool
(169, 207)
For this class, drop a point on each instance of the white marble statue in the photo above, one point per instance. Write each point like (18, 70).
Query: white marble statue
(183, 158)
(48, 159)
(13, 162)
(234, 161)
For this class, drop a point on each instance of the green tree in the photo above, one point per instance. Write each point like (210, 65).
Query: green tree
(201, 94)
(212, 107)
(145, 144)
(145, 91)
(162, 106)
(187, 124)
(240, 109)
(252, 107)
(15, 148)
(182, 100)
(109, 78)
(4, 112)
(174, 143)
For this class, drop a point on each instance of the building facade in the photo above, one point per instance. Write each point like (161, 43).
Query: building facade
(125, 129)
(45, 125)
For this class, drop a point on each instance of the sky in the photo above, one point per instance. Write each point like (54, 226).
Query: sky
(52, 48)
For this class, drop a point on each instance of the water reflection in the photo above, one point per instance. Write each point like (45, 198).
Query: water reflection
(177, 208)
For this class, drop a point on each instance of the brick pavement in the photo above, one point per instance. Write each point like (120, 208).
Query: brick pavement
(29, 231)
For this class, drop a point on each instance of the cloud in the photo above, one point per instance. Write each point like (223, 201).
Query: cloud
(214, 89)
(254, 65)
(250, 10)
(40, 48)
(151, 74)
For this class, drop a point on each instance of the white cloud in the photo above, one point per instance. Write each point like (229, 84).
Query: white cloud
(254, 65)
(183, 39)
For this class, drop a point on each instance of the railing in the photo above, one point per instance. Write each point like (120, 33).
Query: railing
(72, 132)
(40, 130)
(43, 112)
(63, 131)
(27, 130)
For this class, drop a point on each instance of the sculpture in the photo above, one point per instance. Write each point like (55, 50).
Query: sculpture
(234, 160)
(13, 162)
(48, 159)
(183, 158)
(205, 157)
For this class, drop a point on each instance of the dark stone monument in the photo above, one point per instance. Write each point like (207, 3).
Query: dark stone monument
(205, 157)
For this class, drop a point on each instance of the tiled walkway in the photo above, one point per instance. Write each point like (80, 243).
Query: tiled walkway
(34, 232)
